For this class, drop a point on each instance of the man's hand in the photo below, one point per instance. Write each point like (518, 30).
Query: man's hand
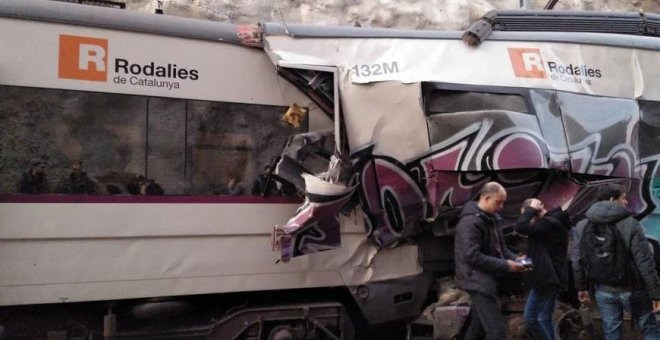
(536, 204)
(656, 306)
(583, 296)
(515, 267)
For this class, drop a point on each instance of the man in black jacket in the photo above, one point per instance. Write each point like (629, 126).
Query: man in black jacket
(77, 182)
(264, 185)
(34, 181)
(547, 246)
(481, 258)
(641, 283)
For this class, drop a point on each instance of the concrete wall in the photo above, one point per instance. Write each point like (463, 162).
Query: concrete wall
(414, 14)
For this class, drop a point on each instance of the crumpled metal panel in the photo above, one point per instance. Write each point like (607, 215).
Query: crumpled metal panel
(414, 165)
(324, 179)
(486, 141)
(552, 128)
(315, 226)
(305, 153)
(601, 134)
(467, 149)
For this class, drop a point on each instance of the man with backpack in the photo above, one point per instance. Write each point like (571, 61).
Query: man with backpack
(611, 255)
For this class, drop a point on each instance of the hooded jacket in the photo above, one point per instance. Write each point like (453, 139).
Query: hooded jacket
(477, 260)
(547, 247)
(632, 233)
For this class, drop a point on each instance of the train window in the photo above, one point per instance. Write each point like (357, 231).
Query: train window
(185, 146)
(232, 140)
(584, 114)
(649, 128)
(451, 101)
(650, 112)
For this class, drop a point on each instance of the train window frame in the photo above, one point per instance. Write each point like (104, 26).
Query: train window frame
(147, 147)
(431, 88)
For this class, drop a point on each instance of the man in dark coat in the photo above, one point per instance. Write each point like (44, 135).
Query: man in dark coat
(34, 180)
(641, 283)
(547, 247)
(481, 258)
(77, 182)
(264, 185)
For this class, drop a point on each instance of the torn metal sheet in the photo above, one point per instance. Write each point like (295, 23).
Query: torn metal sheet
(386, 116)
(315, 227)
(305, 153)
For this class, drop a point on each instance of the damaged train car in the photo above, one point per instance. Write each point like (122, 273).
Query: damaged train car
(386, 135)
(423, 121)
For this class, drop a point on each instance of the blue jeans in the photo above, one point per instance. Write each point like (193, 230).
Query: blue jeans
(538, 315)
(612, 305)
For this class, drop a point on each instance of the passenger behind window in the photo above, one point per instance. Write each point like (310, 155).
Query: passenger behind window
(140, 185)
(288, 189)
(34, 180)
(235, 187)
(264, 185)
(77, 182)
(151, 188)
(119, 183)
(134, 184)
(112, 189)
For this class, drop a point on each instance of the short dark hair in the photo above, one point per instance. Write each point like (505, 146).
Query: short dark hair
(610, 191)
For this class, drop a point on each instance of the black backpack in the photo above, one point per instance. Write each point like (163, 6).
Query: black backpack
(604, 254)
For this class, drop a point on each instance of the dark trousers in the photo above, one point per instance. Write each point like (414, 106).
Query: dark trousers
(487, 321)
